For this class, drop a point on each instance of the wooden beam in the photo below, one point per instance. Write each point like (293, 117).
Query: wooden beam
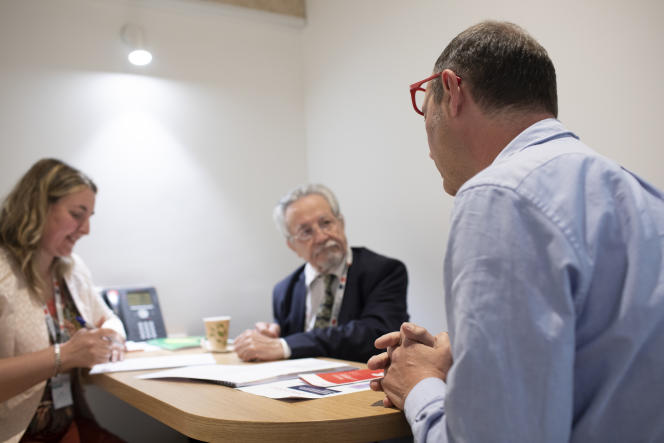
(294, 8)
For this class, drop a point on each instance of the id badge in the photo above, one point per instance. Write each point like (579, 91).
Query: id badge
(61, 391)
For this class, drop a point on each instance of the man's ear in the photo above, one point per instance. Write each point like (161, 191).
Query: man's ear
(452, 90)
(289, 243)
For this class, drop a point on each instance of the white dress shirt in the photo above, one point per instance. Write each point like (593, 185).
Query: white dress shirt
(316, 294)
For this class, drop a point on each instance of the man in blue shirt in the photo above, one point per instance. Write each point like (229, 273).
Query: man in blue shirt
(554, 270)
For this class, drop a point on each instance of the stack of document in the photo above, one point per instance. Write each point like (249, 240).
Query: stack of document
(297, 378)
(244, 375)
(142, 363)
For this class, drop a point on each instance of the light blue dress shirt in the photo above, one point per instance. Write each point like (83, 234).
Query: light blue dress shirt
(554, 286)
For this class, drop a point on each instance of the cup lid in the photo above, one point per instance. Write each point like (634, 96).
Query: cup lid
(217, 318)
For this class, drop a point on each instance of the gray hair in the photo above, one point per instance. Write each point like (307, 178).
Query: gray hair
(279, 213)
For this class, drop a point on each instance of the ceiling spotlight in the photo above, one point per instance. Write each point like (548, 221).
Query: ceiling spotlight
(134, 37)
(140, 57)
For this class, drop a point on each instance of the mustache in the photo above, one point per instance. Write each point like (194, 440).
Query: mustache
(328, 244)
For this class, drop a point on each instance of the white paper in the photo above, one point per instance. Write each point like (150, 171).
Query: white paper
(239, 375)
(285, 389)
(141, 363)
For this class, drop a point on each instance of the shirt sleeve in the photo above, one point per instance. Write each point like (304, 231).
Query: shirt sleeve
(286, 348)
(89, 302)
(510, 273)
(425, 410)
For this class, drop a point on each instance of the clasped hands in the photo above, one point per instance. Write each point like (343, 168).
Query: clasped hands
(412, 354)
(259, 344)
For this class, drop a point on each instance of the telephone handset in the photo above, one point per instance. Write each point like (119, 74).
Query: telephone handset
(138, 308)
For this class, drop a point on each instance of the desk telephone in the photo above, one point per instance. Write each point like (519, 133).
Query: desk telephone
(138, 308)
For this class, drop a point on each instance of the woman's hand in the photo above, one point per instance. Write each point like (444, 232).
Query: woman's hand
(89, 347)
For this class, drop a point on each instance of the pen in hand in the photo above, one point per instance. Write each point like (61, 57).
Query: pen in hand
(81, 321)
(86, 325)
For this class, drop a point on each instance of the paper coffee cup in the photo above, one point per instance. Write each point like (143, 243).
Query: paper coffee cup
(216, 332)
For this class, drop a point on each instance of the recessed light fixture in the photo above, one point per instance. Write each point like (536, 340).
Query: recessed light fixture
(134, 37)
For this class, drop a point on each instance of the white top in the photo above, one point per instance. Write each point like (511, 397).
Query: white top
(316, 293)
(316, 290)
(23, 330)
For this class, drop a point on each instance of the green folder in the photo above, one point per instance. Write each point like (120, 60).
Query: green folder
(175, 343)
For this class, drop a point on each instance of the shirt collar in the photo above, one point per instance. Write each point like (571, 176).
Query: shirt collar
(537, 133)
(310, 273)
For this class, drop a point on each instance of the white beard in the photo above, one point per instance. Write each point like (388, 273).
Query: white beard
(333, 257)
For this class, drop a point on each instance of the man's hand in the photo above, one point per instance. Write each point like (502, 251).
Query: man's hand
(412, 355)
(268, 329)
(252, 345)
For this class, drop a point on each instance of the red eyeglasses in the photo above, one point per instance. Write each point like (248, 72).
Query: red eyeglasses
(418, 99)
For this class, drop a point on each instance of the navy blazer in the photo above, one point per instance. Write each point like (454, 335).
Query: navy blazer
(374, 303)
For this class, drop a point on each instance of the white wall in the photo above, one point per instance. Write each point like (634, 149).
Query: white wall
(365, 141)
(190, 153)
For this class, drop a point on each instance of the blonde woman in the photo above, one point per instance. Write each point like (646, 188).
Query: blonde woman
(51, 319)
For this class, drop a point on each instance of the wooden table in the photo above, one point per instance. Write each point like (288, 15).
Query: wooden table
(211, 412)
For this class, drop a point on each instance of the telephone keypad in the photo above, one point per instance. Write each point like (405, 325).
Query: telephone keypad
(147, 330)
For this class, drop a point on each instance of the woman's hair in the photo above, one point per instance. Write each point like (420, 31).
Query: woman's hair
(24, 211)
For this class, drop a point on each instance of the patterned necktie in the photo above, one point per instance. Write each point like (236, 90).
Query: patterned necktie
(324, 313)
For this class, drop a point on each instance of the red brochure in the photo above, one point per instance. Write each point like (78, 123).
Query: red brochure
(327, 379)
